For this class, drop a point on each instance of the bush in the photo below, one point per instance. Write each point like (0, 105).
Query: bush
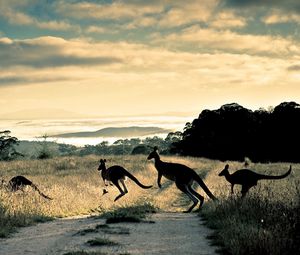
(134, 213)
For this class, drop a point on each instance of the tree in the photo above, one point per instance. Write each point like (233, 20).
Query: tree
(234, 132)
(141, 149)
(45, 151)
(67, 149)
(7, 146)
(172, 140)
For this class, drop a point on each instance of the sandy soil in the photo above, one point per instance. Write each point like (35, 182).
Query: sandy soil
(171, 233)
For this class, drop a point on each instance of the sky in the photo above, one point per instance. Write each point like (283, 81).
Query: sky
(140, 57)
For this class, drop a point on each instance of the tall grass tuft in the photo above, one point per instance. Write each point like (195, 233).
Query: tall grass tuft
(13, 216)
(134, 213)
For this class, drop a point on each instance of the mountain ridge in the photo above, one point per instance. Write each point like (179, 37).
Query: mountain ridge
(116, 132)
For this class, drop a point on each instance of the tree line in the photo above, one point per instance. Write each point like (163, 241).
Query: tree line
(234, 132)
(11, 148)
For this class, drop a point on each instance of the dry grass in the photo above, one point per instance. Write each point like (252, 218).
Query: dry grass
(265, 222)
(76, 188)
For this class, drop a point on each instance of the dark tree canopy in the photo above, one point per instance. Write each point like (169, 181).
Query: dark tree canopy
(234, 132)
(7, 146)
(141, 149)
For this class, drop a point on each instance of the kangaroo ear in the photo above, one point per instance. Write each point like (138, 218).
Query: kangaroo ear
(104, 160)
(101, 160)
(227, 166)
(155, 148)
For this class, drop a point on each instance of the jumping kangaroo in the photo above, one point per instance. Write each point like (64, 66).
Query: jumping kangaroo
(18, 182)
(116, 174)
(247, 178)
(183, 177)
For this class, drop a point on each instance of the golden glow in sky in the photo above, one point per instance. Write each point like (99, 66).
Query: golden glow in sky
(147, 57)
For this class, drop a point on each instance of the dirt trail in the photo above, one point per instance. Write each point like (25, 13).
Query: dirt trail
(171, 233)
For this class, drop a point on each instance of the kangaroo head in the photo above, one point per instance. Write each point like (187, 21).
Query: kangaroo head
(224, 171)
(102, 165)
(154, 153)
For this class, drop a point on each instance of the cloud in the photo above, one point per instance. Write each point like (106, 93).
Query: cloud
(141, 13)
(294, 68)
(269, 12)
(186, 13)
(278, 16)
(115, 10)
(226, 40)
(141, 22)
(143, 73)
(97, 30)
(177, 13)
(205, 50)
(227, 19)
(49, 52)
(16, 17)
(123, 62)
(30, 79)
(130, 64)
(287, 4)
(54, 25)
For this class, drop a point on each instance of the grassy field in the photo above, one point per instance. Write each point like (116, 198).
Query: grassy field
(263, 223)
(76, 188)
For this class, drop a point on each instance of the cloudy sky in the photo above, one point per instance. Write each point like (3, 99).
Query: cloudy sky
(148, 57)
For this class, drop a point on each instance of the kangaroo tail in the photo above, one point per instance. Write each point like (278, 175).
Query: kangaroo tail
(129, 175)
(276, 176)
(41, 193)
(198, 179)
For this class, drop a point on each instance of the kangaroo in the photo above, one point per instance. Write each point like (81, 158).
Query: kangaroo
(115, 174)
(248, 178)
(18, 182)
(183, 177)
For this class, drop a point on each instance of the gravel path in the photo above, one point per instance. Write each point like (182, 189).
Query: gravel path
(171, 233)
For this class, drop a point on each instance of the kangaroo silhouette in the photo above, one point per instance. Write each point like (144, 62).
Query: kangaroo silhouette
(18, 182)
(115, 174)
(182, 175)
(248, 178)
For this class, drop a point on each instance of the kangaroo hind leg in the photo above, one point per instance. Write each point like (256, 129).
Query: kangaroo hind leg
(245, 189)
(184, 189)
(122, 193)
(124, 186)
(201, 198)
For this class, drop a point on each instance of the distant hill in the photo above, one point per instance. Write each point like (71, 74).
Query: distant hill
(133, 131)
